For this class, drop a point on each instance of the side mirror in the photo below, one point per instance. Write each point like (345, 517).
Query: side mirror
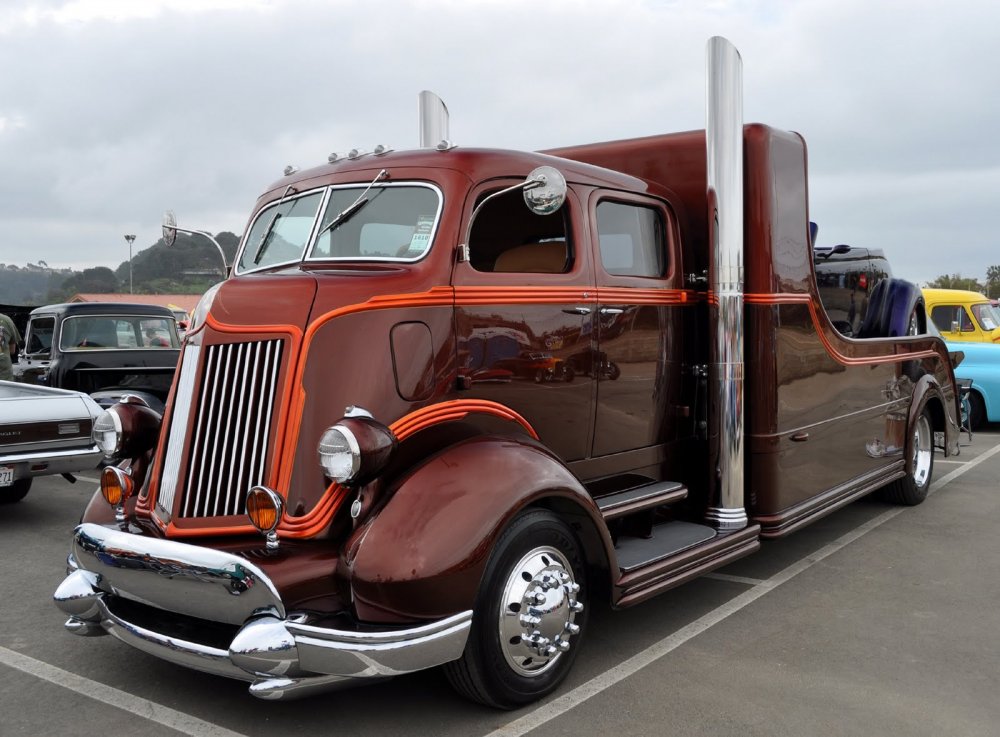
(545, 190)
(544, 193)
(954, 326)
(169, 228)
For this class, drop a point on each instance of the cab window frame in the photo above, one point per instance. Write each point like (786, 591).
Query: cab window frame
(669, 235)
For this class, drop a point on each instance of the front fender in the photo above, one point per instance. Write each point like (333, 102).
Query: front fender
(422, 555)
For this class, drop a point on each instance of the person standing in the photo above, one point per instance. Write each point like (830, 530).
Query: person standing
(9, 338)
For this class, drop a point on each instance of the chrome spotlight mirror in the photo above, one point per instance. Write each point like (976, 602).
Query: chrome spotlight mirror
(169, 228)
(545, 190)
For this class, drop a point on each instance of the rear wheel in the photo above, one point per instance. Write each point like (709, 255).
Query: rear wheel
(913, 487)
(16, 492)
(529, 615)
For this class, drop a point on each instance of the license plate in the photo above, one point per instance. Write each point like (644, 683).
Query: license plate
(6, 475)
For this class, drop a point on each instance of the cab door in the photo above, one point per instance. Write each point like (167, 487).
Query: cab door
(33, 362)
(639, 324)
(524, 316)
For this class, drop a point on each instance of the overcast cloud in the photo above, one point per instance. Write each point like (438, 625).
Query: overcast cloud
(112, 111)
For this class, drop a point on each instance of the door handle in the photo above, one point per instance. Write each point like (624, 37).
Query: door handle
(577, 311)
(800, 437)
(612, 310)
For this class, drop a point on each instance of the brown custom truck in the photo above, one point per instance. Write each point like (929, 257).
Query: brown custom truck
(450, 396)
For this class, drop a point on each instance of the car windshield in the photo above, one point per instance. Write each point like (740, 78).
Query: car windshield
(118, 332)
(393, 222)
(987, 315)
(280, 232)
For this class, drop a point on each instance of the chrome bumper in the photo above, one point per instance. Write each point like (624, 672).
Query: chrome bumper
(283, 656)
(52, 462)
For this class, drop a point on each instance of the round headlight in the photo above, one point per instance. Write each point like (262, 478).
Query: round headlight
(339, 454)
(107, 432)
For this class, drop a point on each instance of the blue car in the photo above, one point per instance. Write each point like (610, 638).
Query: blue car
(982, 365)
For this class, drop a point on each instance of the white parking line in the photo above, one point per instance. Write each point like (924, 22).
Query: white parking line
(177, 720)
(550, 710)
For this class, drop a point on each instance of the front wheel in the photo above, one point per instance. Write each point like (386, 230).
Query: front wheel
(529, 615)
(913, 487)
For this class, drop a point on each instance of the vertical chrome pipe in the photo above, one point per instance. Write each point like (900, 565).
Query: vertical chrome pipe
(433, 120)
(724, 144)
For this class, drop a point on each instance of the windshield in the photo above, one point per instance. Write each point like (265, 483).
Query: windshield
(391, 222)
(987, 315)
(280, 232)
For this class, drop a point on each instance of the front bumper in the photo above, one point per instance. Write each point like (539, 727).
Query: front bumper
(115, 573)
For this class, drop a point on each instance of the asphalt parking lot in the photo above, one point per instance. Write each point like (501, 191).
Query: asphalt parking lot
(875, 620)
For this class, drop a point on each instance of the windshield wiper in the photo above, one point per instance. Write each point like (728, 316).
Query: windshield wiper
(344, 215)
(262, 243)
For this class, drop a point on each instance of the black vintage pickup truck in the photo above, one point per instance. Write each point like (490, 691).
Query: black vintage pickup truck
(105, 350)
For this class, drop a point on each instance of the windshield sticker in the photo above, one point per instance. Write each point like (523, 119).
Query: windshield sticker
(421, 239)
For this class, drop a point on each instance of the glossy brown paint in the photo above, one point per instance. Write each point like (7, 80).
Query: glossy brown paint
(802, 375)
(399, 338)
(423, 554)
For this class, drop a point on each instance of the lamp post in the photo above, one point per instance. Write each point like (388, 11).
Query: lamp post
(131, 240)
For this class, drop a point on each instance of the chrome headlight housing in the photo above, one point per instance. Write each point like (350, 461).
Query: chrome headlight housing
(339, 454)
(126, 429)
(356, 449)
(107, 433)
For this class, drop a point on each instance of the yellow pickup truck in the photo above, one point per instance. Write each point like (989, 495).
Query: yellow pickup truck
(963, 315)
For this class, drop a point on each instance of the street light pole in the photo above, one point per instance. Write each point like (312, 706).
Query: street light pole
(131, 240)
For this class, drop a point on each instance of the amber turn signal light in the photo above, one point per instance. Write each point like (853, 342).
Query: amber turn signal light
(116, 485)
(264, 507)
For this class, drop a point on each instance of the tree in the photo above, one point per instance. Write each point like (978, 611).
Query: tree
(956, 281)
(993, 282)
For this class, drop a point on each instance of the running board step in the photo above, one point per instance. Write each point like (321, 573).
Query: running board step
(627, 502)
(669, 538)
(673, 557)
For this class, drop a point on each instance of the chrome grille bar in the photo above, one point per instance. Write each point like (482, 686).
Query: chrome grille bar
(232, 425)
(183, 398)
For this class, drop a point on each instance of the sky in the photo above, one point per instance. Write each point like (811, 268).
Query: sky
(112, 111)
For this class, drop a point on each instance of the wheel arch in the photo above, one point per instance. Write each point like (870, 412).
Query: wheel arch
(422, 553)
(927, 395)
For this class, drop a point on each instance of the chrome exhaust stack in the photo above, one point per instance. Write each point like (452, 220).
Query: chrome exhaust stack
(433, 122)
(724, 148)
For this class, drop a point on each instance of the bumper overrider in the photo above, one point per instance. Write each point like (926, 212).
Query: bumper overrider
(114, 573)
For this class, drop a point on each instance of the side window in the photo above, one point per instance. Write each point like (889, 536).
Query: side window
(39, 338)
(949, 318)
(508, 237)
(631, 239)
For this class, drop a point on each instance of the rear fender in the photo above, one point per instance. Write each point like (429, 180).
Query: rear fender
(422, 554)
(927, 394)
(892, 303)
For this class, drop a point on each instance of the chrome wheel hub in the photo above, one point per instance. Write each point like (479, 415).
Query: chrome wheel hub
(537, 610)
(923, 450)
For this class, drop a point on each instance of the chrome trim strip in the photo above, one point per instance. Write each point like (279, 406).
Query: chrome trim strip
(52, 455)
(234, 482)
(183, 399)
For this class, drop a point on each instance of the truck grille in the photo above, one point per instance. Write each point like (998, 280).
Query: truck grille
(232, 421)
